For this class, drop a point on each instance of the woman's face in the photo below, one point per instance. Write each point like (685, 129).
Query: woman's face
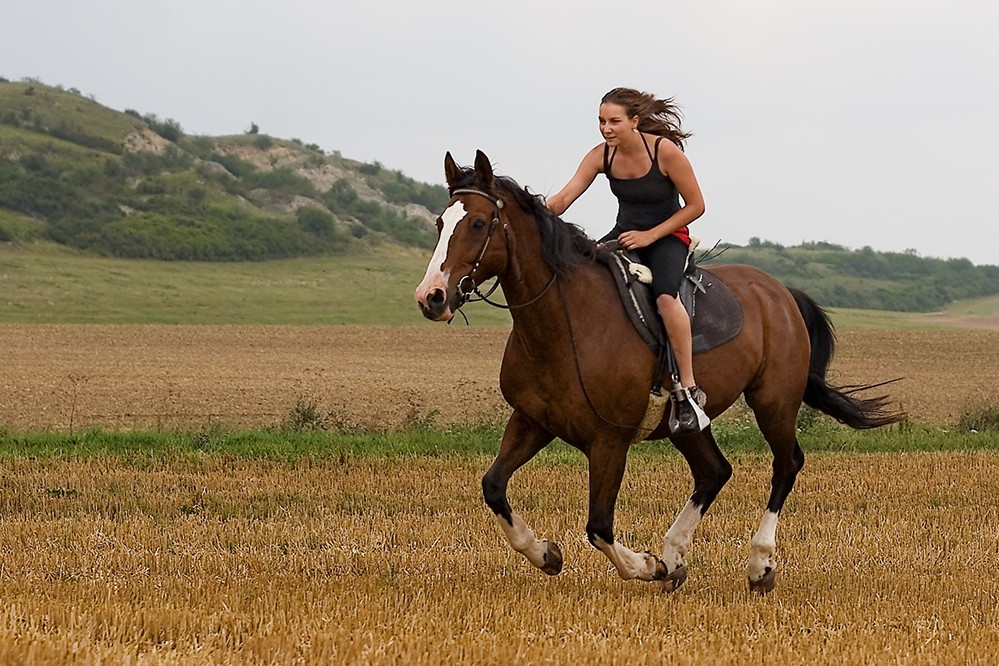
(615, 124)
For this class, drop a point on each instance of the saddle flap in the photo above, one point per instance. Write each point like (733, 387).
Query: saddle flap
(715, 313)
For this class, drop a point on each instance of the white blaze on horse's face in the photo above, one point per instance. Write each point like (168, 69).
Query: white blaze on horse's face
(436, 277)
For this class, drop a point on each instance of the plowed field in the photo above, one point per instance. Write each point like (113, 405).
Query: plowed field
(64, 377)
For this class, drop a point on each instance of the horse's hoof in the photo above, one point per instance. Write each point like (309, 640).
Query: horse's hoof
(674, 580)
(765, 584)
(659, 567)
(553, 559)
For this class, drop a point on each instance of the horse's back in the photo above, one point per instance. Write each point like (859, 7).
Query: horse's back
(771, 351)
(763, 297)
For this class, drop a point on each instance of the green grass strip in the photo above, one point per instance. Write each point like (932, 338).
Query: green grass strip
(734, 437)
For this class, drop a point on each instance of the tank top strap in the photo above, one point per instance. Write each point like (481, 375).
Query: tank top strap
(652, 156)
(608, 158)
(655, 151)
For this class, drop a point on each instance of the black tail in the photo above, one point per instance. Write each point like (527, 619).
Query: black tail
(837, 402)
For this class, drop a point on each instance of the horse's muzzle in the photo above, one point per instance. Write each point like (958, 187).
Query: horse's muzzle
(434, 305)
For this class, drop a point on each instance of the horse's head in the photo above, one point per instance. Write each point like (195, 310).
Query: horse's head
(471, 247)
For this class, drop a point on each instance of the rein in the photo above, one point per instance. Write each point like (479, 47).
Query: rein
(582, 377)
(465, 291)
(466, 294)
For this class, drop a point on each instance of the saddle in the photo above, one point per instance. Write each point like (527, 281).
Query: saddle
(715, 318)
(715, 313)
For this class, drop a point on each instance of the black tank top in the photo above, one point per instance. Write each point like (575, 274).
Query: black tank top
(646, 201)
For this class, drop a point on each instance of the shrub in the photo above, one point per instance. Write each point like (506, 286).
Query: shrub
(315, 221)
(304, 416)
(169, 129)
(282, 180)
(234, 165)
(981, 418)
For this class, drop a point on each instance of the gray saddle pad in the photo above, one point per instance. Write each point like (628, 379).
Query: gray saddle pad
(715, 313)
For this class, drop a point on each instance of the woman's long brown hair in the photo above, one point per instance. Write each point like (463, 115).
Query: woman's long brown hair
(655, 116)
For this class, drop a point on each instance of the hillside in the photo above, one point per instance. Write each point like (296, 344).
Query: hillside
(128, 185)
(838, 277)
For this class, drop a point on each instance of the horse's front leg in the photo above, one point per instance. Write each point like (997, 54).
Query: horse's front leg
(711, 471)
(607, 463)
(522, 439)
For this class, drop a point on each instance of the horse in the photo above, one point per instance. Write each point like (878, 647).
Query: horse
(575, 368)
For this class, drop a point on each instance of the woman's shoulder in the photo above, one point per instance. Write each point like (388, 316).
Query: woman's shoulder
(595, 156)
(665, 147)
(669, 155)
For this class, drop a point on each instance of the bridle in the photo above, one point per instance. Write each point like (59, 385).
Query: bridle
(467, 285)
(466, 293)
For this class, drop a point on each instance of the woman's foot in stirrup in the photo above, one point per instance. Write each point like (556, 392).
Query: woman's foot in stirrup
(687, 415)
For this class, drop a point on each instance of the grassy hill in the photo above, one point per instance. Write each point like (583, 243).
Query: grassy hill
(838, 277)
(48, 284)
(44, 283)
(118, 184)
(122, 184)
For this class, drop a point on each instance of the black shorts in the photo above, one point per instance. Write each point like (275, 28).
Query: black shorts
(665, 258)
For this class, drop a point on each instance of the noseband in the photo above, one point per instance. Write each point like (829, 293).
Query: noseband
(466, 285)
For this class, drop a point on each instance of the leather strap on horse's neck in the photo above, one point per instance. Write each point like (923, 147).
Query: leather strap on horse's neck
(466, 294)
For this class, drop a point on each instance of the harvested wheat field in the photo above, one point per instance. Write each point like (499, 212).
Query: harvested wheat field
(209, 558)
(886, 559)
(64, 378)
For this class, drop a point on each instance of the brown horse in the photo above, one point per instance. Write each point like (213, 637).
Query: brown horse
(576, 368)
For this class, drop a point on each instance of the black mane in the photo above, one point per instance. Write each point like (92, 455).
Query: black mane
(563, 244)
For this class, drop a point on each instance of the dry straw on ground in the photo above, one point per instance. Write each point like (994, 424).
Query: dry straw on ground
(211, 560)
(886, 559)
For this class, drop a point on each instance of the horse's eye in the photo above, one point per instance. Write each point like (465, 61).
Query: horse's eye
(477, 224)
(440, 225)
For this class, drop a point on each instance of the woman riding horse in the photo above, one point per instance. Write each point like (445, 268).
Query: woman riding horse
(649, 176)
(577, 369)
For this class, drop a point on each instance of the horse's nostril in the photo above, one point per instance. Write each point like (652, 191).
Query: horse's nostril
(437, 297)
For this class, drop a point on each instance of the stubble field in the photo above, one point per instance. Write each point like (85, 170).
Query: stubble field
(211, 559)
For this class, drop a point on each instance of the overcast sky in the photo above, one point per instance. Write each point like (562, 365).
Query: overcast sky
(858, 122)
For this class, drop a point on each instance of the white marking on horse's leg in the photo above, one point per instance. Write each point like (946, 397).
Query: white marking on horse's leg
(762, 560)
(679, 536)
(522, 539)
(629, 564)
(436, 277)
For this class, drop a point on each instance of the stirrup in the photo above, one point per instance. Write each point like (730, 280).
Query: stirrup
(686, 415)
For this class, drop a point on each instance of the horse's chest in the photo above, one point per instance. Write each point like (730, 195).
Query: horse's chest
(520, 379)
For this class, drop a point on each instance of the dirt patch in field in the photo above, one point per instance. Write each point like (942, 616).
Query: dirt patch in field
(125, 377)
(942, 374)
(64, 377)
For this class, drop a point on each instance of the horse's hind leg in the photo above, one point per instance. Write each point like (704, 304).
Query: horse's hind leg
(607, 463)
(522, 439)
(711, 471)
(778, 422)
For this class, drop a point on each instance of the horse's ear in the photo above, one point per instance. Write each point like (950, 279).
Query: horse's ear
(483, 171)
(452, 172)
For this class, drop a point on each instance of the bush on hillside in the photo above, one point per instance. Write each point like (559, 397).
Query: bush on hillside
(281, 180)
(169, 129)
